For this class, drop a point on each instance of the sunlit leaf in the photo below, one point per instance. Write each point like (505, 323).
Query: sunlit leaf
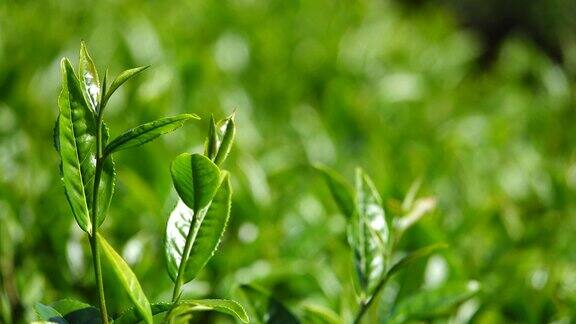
(126, 278)
(340, 190)
(418, 209)
(203, 233)
(226, 129)
(77, 139)
(431, 303)
(195, 178)
(120, 79)
(89, 77)
(146, 132)
(263, 308)
(369, 234)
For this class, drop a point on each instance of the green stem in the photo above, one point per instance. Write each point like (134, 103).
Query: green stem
(187, 248)
(366, 303)
(94, 218)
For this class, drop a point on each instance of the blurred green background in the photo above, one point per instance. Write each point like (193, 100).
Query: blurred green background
(474, 98)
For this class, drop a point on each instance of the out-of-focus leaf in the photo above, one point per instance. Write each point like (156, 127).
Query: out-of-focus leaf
(77, 138)
(263, 308)
(340, 190)
(120, 79)
(77, 312)
(47, 313)
(415, 256)
(124, 275)
(89, 76)
(418, 209)
(431, 303)
(146, 132)
(369, 234)
(321, 315)
(201, 234)
(132, 316)
(196, 179)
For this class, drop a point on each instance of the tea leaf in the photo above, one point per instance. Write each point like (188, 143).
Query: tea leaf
(120, 79)
(427, 304)
(211, 145)
(264, 308)
(340, 190)
(89, 76)
(77, 142)
(77, 312)
(47, 313)
(124, 275)
(146, 132)
(107, 183)
(369, 234)
(196, 179)
(193, 237)
(226, 130)
(321, 315)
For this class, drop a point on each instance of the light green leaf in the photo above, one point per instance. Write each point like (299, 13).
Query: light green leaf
(211, 145)
(195, 178)
(124, 275)
(89, 76)
(321, 315)
(263, 308)
(226, 130)
(145, 133)
(193, 240)
(77, 312)
(431, 303)
(120, 79)
(340, 190)
(47, 313)
(77, 142)
(369, 234)
(415, 256)
(107, 182)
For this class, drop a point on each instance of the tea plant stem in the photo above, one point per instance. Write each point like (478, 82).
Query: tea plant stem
(366, 303)
(94, 237)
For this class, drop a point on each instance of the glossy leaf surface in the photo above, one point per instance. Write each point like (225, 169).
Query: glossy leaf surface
(369, 234)
(195, 178)
(203, 233)
(120, 79)
(263, 308)
(77, 143)
(146, 132)
(340, 190)
(125, 277)
(89, 77)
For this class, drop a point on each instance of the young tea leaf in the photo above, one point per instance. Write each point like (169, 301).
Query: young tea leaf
(211, 146)
(77, 141)
(369, 234)
(107, 182)
(89, 77)
(125, 277)
(223, 306)
(226, 129)
(192, 237)
(340, 190)
(47, 313)
(146, 133)
(195, 178)
(316, 314)
(120, 79)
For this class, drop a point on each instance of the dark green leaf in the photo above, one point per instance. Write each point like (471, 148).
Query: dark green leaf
(146, 132)
(195, 239)
(340, 190)
(430, 303)
(415, 256)
(77, 138)
(48, 313)
(263, 308)
(211, 146)
(126, 278)
(77, 312)
(120, 79)
(369, 234)
(89, 76)
(107, 182)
